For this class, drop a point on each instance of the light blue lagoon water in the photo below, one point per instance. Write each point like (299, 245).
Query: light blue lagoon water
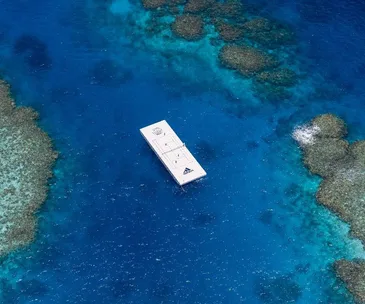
(116, 228)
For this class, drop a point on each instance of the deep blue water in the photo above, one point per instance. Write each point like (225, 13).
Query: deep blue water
(116, 228)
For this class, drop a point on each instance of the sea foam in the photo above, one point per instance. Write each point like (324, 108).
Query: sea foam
(305, 134)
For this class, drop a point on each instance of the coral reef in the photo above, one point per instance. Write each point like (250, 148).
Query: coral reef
(274, 85)
(153, 4)
(271, 93)
(330, 126)
(176, 2)
(27, 156)
(324, 156)
(231, 9)
(268, 33)
(197, 6)
(245, 42)
(258, 25)
(189, 27)
(342, 165)
(278, 77)
(228, 32)
(357, 150)
(247, 60)
(353, 274)
(344, 194)
(325, 152)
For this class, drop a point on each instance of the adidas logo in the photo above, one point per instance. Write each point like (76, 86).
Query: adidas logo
(187, 170)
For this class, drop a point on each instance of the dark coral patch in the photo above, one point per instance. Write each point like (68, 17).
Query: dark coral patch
(266, 217)
(271, 93)
(277, 290)
(107, 72)
(280, 77)
(162, 290)
(252, 145)
(9, 294)
(204, 219)
(32, 288)
(268, 33)
(34, 51)
(316, 11)
(122, 288)
(206, 151)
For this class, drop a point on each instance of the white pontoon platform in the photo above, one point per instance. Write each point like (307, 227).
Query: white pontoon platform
(172, 152)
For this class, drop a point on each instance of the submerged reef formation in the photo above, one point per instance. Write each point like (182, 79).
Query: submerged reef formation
(353, 274)
(189, 27)
(256, 47)
(27, 157)
(277, 289)
(153, 4)
(246, 60)
(278, 77)
(197, 6)
(275, 83)
(34, 52)
(231, 10)
(228, 32)
(342, 190)
(268, 33)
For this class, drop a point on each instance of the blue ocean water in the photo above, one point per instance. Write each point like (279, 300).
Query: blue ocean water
(116, 228)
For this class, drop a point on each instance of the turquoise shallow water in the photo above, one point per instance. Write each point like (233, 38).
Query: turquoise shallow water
(115, 228)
